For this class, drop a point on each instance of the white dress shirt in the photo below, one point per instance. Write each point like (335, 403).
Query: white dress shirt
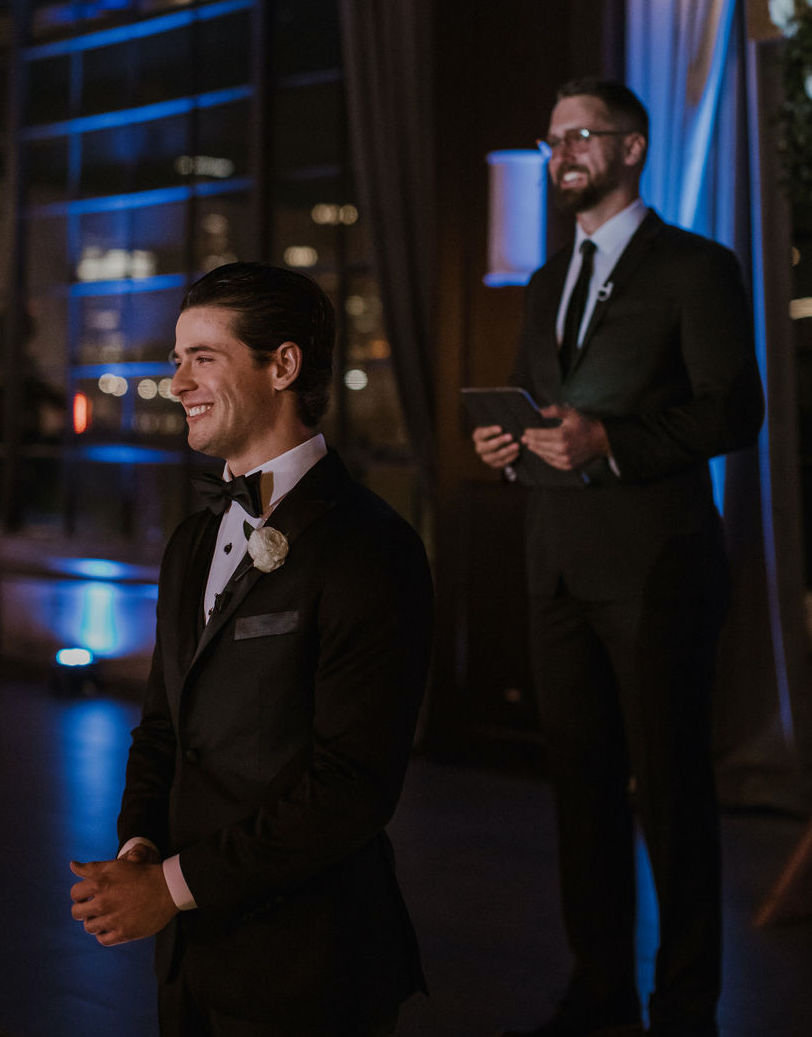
(610, 239)
(279, 477)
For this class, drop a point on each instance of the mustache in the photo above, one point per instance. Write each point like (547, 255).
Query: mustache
(571, 168)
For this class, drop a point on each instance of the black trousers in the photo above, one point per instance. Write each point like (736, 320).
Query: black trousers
(624, 689)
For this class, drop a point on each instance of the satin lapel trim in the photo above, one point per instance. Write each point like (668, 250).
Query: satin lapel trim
(302, 506)
(630, 258)
(557, 282)
(193, 585)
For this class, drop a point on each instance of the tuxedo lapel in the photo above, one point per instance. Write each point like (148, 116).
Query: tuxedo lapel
(629, 260)
(310, 498)
(193, 586)
(546, 360)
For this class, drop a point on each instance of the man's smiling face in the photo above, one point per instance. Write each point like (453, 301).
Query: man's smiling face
(230, 402)
(585, 174)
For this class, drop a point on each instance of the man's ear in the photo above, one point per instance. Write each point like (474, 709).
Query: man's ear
(285, 365)
(635, 148)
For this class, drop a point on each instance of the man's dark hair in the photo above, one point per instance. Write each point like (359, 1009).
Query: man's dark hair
(273, 305)
(620, 101)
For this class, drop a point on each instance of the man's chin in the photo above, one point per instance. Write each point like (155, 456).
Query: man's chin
(575, 200)
(203, 445)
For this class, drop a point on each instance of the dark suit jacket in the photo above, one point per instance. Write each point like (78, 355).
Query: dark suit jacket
(271, 754)
(668, 365)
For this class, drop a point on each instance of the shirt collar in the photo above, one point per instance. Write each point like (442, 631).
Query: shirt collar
(287, 469)
(615, 234)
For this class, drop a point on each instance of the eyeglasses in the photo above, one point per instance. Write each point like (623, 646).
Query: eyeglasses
(578, 140)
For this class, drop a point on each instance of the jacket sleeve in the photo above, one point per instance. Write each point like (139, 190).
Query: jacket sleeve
(151, 762)
(725, 406)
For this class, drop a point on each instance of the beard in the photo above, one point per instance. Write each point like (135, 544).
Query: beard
(581, 199)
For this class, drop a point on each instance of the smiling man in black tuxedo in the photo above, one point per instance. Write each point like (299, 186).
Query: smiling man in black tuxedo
(281, 705)
(637, 344)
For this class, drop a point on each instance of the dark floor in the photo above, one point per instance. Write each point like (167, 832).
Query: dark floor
(476, 861)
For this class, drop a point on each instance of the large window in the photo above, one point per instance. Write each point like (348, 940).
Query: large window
(156, 140)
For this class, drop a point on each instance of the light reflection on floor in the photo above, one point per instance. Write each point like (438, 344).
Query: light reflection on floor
(93, 744)
(476, 858)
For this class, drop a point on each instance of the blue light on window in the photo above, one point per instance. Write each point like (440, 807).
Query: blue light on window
(133, 116)
(137, 30)
(158, 283)
(122, 453)
(143, 199)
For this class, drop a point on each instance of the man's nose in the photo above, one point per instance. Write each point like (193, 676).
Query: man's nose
(181, 380)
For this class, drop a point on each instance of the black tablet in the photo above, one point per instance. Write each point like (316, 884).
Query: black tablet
(514, 410)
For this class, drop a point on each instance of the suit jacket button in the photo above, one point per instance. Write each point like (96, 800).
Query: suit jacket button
(191, 756)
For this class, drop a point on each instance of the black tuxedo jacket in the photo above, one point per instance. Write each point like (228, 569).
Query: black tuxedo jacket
(271, 753)
(668, 364)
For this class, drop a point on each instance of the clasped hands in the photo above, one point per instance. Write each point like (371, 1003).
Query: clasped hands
(571, 444)
(122, 900)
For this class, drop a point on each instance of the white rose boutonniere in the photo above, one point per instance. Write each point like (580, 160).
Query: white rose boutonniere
(268, 548)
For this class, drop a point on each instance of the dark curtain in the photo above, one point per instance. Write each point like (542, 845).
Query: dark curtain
(388, 61)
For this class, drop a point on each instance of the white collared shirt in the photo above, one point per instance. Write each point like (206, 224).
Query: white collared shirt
(279, 477)
(610, 240)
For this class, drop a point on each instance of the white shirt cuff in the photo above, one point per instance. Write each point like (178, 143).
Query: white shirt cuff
(173, 876)
(178, 890)
(137, 840)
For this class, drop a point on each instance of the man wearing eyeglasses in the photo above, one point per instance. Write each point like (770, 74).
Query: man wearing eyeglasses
(637, 345)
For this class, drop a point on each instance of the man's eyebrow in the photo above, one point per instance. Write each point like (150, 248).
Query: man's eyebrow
(174, 355)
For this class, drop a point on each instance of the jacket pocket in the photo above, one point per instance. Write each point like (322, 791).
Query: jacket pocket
(267, 625)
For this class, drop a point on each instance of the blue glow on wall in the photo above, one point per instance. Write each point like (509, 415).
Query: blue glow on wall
(97, 622)
(112, 620)
(517, 215)
(100, 568)
(93, 743)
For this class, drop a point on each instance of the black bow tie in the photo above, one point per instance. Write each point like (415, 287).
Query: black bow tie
(217, 494)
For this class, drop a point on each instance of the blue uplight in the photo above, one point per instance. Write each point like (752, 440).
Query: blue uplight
(111, 619)
(98, 568)
(98, 620)
(74, 657)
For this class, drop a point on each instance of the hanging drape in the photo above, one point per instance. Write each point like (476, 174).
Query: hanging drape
(691, 65)
(387, 63)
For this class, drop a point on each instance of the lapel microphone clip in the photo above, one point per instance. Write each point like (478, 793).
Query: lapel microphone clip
(605, 291)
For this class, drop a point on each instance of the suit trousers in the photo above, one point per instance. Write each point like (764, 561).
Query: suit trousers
(624, 691)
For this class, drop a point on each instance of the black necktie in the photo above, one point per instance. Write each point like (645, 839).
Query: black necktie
(217, 494)
(576, 307)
